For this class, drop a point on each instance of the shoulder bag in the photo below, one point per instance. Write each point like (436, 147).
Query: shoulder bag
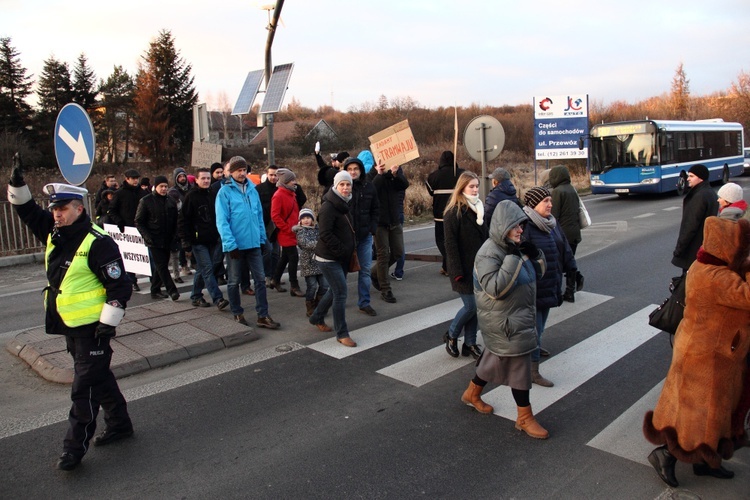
(584, 220)
(354, 260)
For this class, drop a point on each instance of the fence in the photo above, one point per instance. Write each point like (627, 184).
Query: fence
(15, 237)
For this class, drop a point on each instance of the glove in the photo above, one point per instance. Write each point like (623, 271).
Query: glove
(317, 147)
(104, 331)
(529, 249)
(121, 227)
(235, 254)
(16, 176)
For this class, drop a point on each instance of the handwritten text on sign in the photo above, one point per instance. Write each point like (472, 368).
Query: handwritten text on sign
(394, 145)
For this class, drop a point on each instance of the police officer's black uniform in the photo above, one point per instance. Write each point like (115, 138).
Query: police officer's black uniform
(94, 384)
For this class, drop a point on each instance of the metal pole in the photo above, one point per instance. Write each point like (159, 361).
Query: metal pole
(269, 68)
(483, 151)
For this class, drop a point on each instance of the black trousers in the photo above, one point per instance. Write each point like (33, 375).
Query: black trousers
(94, 385)
(440, 241)
(160, 260)
(289, 256)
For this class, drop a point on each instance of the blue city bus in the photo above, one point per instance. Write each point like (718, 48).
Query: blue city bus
(654, 156)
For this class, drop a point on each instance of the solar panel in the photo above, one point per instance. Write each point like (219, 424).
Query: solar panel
(248, 92)
(277, 88)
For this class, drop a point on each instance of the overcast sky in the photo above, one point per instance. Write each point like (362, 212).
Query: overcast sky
(439, 52)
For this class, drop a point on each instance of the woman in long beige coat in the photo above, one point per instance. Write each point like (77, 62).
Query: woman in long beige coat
(701, 412)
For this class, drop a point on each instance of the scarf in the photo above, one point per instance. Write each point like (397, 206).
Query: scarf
(546, 225)
(477, 206)
(345, 198)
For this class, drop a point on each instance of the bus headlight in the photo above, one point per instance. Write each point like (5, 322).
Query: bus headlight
(653, 180)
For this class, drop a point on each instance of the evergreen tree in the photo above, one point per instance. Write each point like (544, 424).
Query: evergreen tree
(15, 87)
(117, 114)
(175, 87)
(84, 84)
(680, 95)
(152, 131)
(54, 91)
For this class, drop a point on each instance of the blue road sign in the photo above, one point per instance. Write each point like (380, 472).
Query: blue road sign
(75, 143)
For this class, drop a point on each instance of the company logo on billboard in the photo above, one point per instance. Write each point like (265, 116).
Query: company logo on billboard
(574, 107)
(545, 103)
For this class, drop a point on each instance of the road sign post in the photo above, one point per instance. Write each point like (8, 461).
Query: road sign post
(75, 143)
(484, 139)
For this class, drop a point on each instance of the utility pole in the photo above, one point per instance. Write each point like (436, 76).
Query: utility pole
(273, 22)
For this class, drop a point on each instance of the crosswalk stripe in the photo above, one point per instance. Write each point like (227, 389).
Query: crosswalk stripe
(435, 363)
(624, 436)
(574, 366)
(391, 329)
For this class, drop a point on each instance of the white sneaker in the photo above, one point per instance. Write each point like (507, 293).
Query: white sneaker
(393, 275)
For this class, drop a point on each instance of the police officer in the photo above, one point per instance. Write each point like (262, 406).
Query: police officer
(85, 300)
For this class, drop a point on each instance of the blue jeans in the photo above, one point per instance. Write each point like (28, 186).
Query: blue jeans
(364, 254)
(466, 320)
(316, 285)
(253, 259)
(336, 296)
(206, 257)
(541, 319)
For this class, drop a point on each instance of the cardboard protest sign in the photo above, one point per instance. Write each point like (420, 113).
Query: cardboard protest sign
(204, 154)
(133, 249)
(394, 145)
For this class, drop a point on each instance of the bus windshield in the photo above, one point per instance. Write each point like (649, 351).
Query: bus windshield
(630, 150)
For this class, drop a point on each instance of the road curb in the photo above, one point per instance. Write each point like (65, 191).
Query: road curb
(18, 260)
(150, 336)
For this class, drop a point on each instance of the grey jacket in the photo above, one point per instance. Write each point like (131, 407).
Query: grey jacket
(505, 287)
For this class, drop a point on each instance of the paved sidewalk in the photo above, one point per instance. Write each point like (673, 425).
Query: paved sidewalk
(150, 336)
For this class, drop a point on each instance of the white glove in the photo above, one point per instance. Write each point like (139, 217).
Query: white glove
(317, 147)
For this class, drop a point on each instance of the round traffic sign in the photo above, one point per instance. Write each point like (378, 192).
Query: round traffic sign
(75, 143)
(494, 138)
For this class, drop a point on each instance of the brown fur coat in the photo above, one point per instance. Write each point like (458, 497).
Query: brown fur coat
(701, 411)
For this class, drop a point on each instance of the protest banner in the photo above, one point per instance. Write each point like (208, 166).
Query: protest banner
(394, 145)
(132, 248)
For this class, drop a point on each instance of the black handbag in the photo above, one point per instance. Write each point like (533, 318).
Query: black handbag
(668, 315)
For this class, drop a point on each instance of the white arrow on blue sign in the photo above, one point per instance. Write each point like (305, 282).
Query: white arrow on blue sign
(75, 143)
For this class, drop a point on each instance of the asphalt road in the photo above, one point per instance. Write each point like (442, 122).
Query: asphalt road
(294, 415)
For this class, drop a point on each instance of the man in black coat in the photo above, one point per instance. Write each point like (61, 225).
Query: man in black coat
(124, 205)
(85, 262)
(364, 208)
(327, 172)
(440, 184)
(389, 235)
(700, 202)
(197, 230)
(156, 220)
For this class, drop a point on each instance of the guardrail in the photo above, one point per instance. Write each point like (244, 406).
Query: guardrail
(15, 237)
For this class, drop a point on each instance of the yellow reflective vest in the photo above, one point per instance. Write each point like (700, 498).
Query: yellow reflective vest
(81, 296)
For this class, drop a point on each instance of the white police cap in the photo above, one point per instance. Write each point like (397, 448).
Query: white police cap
(60, 194)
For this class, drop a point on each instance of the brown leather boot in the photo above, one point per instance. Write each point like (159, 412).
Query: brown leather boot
(472, 397)
(310, 305)
(537, 378)
(528, 424)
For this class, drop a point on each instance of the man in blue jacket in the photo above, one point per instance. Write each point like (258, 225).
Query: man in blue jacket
(239, 219)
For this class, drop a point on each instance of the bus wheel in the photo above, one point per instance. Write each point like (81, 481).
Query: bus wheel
(681, 184)
(725, 175)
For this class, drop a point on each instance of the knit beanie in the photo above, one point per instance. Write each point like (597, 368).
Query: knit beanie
(341, 176)
(161, 179)
(236, 163)
(285, 176)
(306, 212)
(534, 195)
(700, 171)
(342, 156)
(730, 192)
(216, 166)
(145, 181)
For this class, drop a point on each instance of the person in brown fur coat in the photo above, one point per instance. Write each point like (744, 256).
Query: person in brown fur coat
(701, 411)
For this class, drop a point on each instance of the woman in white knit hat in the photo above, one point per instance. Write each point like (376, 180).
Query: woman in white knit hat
(731, 204)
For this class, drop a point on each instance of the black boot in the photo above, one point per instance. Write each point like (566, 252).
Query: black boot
(663, 462)
(471, 350)
(705, 470)
(570, 288)
(451, 345)
(579, 281)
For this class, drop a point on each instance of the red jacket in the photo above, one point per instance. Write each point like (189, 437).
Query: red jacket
(285, 214)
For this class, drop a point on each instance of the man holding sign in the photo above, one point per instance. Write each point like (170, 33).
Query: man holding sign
(389, 236)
